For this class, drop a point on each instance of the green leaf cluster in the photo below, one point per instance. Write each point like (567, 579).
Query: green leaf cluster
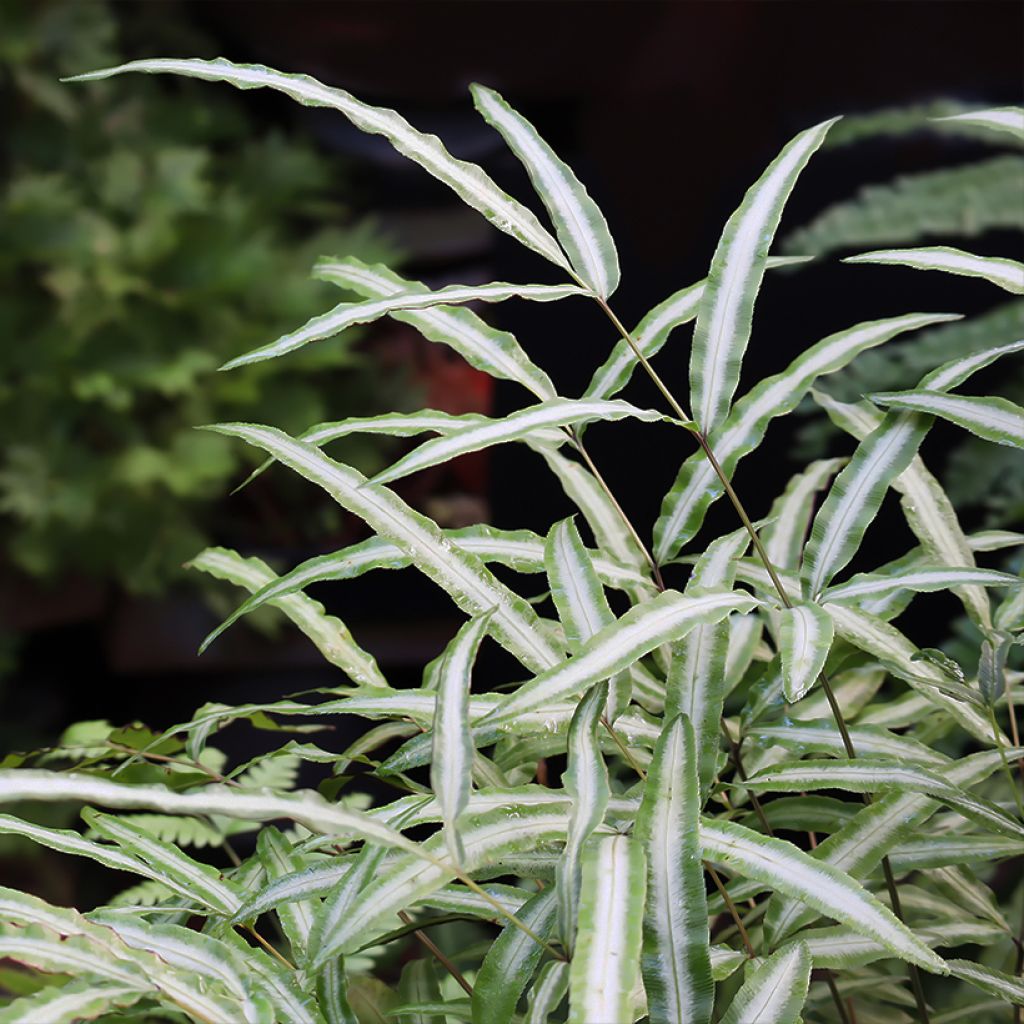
(143, 242)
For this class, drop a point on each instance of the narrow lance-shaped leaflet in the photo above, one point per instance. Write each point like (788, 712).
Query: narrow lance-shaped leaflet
(1007, 274)
(606, 965)
(511, 961)
(653, 331)
(696, 684)
(513, 624)
(880, 459)
(991, 418)
(520, 425)
(1002, 119)
(697, 486)
(484, 347)
(676, 965)
(783, 867)
(468, 181)
(579, 224)
(330, 635)
(870, 776)
(586, 784)
(452, 762)
(775, 991)
(521, 550)
(726, 310)
(348, 314)
(667, 617)
(581, 602)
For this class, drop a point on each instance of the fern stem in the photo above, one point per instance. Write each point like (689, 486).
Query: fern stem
(1015, 789)
(439, 955)
(626, 753)
(733, 912)
(585, 455)
(270, 948)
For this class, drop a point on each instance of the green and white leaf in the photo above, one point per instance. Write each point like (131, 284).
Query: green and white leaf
(174, 868)
(948, 851)
(579, 224)
(696, 684)
(547, 992)
(859, 846)
(408, 878)
(886, 643)
(280, 861)
(348, 314)
(789, 518)
(805, 639)
(727, 306)
(670, 616)
(696, 486)
(867, 776)
(484, 347)
(580, 599)
(452, 761)
(1007, 274)
(1002, 119)
(586, 785)
(675, 964)
(521, 550)
(927, 579)
(511, 961)
(856, 495)
(605, 968)
(520, 425)
(69, 1004)
(823, 737)
(991, 418)
(775, 991)
(467, 180)
(330, 635)
(1006, 986)
(653, 331)
(307, 808)
(514, 624)
(786, 869)
(610, 533)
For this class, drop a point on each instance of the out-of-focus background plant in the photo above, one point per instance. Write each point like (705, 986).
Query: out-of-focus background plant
(143, 242)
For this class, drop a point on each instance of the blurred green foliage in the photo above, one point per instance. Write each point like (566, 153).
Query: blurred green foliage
(144, 240)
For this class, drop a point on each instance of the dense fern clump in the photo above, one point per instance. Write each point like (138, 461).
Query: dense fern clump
(774, 805)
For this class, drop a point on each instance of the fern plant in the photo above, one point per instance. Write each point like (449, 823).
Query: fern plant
(689, 865)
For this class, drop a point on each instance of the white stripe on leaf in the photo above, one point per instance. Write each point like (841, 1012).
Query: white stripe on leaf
(606, 965)
(991, 418)
(805, 639)
(775, 991)
(1007, 274)
(522, 424)
(452, 760)
(726, 310)
(514, 624)
(676, 967)
(484, 347)
(468, 181)
(580, 225)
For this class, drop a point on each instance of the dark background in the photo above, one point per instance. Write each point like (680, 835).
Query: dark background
(668, 112)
